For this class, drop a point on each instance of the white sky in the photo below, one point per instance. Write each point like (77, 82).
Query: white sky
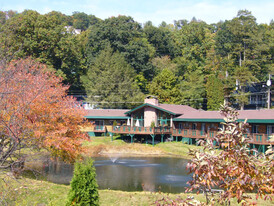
(210, 11)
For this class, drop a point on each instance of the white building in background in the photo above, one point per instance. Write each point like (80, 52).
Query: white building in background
(72, 30)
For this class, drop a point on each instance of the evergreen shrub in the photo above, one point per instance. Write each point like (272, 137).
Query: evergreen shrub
(84, 187)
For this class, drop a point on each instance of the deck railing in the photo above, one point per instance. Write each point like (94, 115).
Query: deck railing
(190, 133)
(141, 130)
(129, 130)
(99, 128)
(258, 138)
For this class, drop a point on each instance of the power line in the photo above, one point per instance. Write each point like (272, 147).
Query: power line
(115, 102)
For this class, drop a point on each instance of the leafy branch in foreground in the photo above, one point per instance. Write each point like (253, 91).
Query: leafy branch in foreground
(233, 169)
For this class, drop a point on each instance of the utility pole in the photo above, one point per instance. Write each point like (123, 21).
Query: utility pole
(268, 83)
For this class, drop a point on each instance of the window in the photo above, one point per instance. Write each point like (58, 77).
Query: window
(203, 127)
(270, 129)
(255, 128)
(253, 99)
(212, 126)
(163, 118)
(180, 126)
(99, 122)
(220, 126)
(123, 122)
(194, 126)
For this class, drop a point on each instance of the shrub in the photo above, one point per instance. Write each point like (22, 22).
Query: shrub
(152, 125)
(84, 188)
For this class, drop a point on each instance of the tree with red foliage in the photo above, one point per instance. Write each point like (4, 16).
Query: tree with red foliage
(233, 169)
(35, 112)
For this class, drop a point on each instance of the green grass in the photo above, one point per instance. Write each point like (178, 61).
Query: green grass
(27, 192)
(177, 148)
(99, 144)
(104, 140)
(31, 192)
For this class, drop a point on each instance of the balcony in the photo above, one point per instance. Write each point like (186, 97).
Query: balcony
(258, 138)
(99, 128)
(189, 133)
(141, 130)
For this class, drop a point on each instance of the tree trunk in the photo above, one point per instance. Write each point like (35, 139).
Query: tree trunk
(240, 60)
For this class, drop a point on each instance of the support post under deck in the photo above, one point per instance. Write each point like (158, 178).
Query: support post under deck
(152, 135)
(261, 148)
(111, 136)
(162, 138)
(131, 137)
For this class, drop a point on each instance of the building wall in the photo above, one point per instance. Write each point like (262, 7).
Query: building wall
(189, 125)
(150, 115)
(262, 128)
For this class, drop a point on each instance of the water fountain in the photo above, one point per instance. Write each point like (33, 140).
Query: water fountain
(113, 158)
(131, 173)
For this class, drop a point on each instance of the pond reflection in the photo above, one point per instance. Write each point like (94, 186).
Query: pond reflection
(128, 174)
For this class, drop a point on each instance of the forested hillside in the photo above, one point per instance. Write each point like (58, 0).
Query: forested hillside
(117, 61)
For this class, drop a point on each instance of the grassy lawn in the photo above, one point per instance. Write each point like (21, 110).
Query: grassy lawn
(177, 148)
(104, 145)
(26, 191)
(29, 192)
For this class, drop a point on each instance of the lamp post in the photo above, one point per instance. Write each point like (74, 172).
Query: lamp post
(268, 83)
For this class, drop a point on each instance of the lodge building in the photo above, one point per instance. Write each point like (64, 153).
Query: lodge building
(161, 122)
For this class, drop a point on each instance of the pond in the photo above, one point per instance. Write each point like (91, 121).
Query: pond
(163, 174)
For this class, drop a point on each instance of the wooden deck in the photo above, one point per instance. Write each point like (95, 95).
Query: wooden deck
(141, 130)
(261, 139)
(258, 139)
(189, 133)
(97, 128)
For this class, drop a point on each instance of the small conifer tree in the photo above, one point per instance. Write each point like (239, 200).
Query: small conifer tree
(84, 188)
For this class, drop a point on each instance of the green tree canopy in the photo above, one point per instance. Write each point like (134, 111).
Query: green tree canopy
(161, 38)
(81, 20)
(193, 89)
(162, 63)
(45, 38)
(125, 36)
(214, 93)
(247, 43)
(110, 81)
(166, 87)
(243, 77)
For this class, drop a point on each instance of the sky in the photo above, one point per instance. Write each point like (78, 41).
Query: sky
(210, 11)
